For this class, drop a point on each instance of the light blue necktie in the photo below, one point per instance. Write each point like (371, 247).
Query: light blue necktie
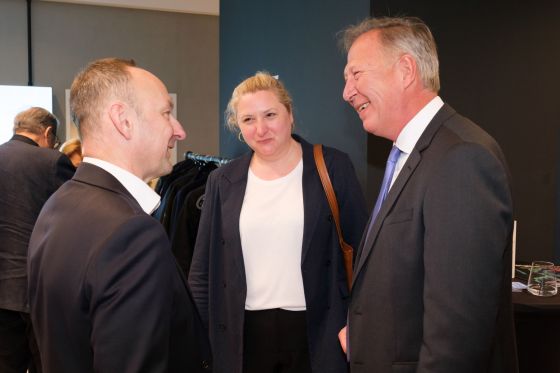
(389, 171)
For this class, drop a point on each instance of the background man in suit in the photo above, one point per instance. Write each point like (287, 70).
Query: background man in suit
(431, 288)
(30, 171)
(105, 292)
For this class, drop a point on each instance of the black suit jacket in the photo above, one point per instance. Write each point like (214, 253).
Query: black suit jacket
(28, 176)
(432, 284)
(105, 292)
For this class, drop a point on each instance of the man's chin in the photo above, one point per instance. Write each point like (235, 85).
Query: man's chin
(165, 169)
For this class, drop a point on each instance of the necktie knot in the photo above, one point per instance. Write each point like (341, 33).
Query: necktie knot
(394, 156)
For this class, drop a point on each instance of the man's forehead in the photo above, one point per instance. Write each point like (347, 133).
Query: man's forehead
(146, 81)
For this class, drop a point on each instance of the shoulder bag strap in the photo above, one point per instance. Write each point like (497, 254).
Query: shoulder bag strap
(333, 203)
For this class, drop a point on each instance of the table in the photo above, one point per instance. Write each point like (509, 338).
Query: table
(537, 326)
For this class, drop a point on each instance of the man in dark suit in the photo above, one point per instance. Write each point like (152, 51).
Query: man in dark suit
(431, 288)
(105, 292)
(30, 171)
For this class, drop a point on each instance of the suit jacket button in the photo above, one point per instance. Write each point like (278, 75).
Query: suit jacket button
(222, 327)
(205, 364)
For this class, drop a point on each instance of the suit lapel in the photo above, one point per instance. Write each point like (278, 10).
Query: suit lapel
(232, 185)
(408, 169)
(91, 174)
(414, 159)
(310, 186)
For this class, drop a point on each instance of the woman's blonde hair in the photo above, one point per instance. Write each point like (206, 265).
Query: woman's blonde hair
(71, 146)
(261, 81)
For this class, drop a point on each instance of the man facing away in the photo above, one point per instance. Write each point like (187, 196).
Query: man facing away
(105, 292)
(30, 171)
(431, 289)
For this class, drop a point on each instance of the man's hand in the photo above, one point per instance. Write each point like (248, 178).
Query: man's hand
(342, 338)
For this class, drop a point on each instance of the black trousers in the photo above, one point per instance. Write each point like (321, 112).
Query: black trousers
(18, 348)
(275, 341)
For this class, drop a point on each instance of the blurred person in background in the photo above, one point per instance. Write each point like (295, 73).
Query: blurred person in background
(30, 172)
(73, 150)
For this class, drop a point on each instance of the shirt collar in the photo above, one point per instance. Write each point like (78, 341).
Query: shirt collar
(24, 139)
(144, 195)
(413, 130)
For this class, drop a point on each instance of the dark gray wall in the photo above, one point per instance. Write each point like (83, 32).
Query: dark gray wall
(181, 49)
(296, 40)
(498, 62)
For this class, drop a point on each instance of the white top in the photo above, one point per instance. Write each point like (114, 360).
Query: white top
(271, 228)
(146, 197)
(413, 130)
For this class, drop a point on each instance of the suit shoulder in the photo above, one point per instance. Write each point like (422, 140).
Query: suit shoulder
(460, 132)
(233, 169)
(468, 131)
(336, 158)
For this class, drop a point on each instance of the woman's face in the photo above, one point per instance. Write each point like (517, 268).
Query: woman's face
(265, 123)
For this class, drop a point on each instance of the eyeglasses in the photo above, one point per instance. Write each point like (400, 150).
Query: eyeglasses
(54, 140)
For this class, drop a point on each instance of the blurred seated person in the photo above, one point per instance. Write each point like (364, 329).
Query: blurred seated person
(73, 150)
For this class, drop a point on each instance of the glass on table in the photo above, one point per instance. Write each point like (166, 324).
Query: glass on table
(542, 279)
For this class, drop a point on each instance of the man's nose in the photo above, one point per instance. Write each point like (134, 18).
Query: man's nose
(178, 130)
(349, 90)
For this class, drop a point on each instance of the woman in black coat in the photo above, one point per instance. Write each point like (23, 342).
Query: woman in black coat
(267, 273)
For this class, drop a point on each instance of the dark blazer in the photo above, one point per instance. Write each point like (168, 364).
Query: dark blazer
(217, 275)
(432, 284)
(105, 292)
(29, 175)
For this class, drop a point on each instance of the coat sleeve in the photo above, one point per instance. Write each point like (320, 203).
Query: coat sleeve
(467, 217)
(199, 271)
(129, 285)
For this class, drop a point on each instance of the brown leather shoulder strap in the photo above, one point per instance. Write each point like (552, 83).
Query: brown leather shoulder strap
(327, 186)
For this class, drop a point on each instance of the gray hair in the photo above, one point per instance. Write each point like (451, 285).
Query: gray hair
(35, 120)
(400, 35)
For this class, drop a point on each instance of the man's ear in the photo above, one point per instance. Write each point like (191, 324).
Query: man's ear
(119, 114)
(47, 131)
(408, 69)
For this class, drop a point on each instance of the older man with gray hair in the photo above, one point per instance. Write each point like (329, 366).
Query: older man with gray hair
(30, 172)
(431, 289)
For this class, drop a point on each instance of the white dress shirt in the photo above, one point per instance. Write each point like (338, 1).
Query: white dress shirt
(413, 130)
(141, 191)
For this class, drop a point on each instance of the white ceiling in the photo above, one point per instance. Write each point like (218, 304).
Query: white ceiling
(210, 7)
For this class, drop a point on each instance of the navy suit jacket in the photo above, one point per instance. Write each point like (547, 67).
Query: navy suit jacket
(29, 175)
(217, 274)
(105, 292)
(432, 282)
